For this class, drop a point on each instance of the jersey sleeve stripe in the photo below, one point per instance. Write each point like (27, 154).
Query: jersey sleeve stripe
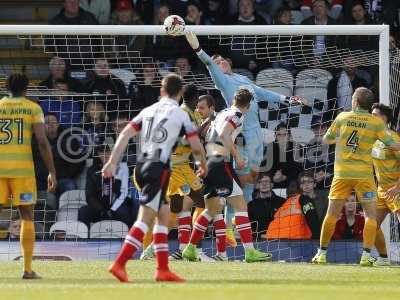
(136, 126)
(191, 134)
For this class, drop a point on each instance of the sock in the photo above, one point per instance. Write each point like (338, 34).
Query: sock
(244, 228)
(197, 213)
(27, 240)
(200, 227)
(380, 243)
(220, 233)
(160, 238)
(173, 220)
(369, 233)
(133, 242)
(184, 226)
(148, 237)
(327, 230)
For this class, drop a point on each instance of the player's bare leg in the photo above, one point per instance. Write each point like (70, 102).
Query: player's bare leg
(369, 233)
(380, 243)
(213, 207)
(133, 242)
(244, 228)
(160, 240)
(27, 240)
(328, 228)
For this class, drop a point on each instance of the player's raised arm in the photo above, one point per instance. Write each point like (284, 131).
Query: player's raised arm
(47, 154)
(216, 73)
(127, 133)
(270, 96)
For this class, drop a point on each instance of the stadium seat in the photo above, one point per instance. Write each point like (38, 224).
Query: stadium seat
(280, 192)
(69, 212)
(108, 230)
(311, 84)
(268, 136)
(77, 197)
(302, 135)
(125, 75)
(244, 72)
(277, 80)
(72, 229)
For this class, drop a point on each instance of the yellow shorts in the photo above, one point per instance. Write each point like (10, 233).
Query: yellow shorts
(182, 178)
(342, 188)
(384, 202)
(22, 191)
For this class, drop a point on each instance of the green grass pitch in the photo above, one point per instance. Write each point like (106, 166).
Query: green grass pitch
(207, 281)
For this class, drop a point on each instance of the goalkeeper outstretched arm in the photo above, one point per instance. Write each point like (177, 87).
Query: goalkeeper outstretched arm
(227, 85)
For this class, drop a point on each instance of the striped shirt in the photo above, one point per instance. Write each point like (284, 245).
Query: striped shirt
(17, 117)
(386, 162)
(356, 132)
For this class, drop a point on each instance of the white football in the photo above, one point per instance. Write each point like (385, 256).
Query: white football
(174, 25)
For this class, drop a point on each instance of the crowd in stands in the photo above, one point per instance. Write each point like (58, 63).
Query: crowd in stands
(292, 187)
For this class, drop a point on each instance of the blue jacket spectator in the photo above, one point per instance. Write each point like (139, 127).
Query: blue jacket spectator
(72, 14)
(67, 110)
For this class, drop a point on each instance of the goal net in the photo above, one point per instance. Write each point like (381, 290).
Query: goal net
(99, 80)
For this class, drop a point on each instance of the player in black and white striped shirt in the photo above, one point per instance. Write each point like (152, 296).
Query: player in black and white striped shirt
(160, 127)
(222, 181)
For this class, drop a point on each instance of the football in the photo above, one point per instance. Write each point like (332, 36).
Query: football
(174, 25)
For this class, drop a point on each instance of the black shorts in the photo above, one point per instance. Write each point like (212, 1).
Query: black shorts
(221, 180)
(151, 179)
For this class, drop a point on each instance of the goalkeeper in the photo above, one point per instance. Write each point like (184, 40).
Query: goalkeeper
(228, 83)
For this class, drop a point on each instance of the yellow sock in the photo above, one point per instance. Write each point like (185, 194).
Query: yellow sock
(27, 240)
(327, 230)
(173, 220)
(380, 243)
(148, 237)
(197, 213)
(369, 233)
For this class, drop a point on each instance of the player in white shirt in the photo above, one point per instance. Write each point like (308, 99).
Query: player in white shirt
(222, 181)
(160, 126)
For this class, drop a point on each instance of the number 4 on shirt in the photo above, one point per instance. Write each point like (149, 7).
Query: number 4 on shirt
(352, 141)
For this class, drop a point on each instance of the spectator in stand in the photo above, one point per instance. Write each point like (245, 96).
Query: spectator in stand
(319, 156)
(125, 14)
(247, 14)
(334, 12)
(118, 124)
(194, 14)
(284, 169)
(320, 10)
(103, 83)
(67, 155)
(351, 222)
(67, 110)
(215, 12)
(72, 14)
(107, 199)
(146, 91)
(297, 218)
(101, 9)
(94, 123)
(264, 205)
(283, 16)
(183, 68)
(341, 88)
(268, 8)
(58, 70)
(359, 16)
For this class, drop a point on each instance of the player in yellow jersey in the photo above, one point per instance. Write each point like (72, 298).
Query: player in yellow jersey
(354, 133)
(20, 119)
(387, 170)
